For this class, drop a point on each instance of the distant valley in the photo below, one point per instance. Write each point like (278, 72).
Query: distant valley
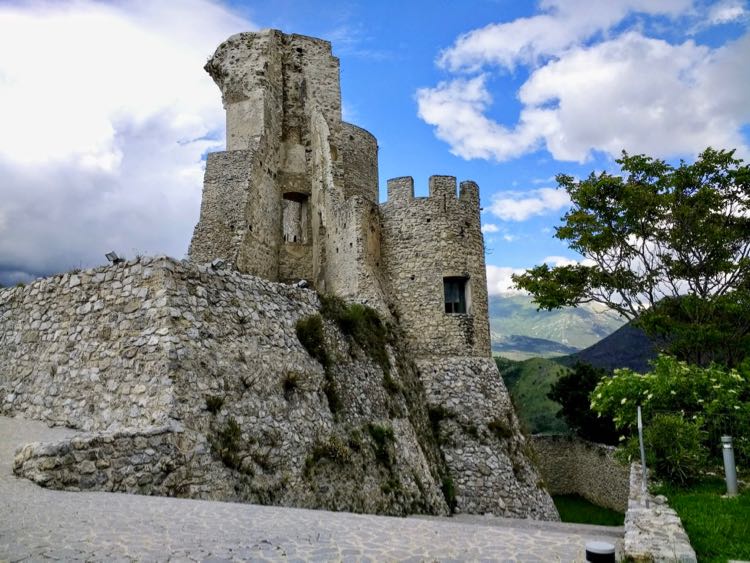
(520, 332)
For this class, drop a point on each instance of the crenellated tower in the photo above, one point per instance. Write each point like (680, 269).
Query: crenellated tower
(433, 254)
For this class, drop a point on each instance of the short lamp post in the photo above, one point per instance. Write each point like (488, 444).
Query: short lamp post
(730, 469)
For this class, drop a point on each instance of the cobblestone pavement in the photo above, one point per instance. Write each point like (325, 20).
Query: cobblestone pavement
(37, 524)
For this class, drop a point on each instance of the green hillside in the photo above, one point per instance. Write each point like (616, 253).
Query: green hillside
(519, 331)
(529, 382)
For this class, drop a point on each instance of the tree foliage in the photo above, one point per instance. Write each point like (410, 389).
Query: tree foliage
(572, 392)
(686, 408)
(657, 231)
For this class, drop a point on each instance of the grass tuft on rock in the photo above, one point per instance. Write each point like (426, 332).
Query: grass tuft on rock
(382, 437)
(227, 443)
(362, 324)
(311, 336)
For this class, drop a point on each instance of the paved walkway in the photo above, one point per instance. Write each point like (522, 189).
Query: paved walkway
(38, 524)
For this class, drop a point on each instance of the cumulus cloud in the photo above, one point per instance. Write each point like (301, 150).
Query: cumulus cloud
(490, 228)
(106, 118)
(725, 12)
(587, 92)
(519, 206)
(499, 282)
(562, 24)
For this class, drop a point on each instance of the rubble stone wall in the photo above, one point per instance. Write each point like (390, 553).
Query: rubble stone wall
(488, 457)
(86, 349)
(570, 465)
(158, 343)
(653, 531)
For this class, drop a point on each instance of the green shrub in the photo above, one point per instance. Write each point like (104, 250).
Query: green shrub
(683, 405)
(672, 386)
(214, 403)
(674, 448)
(362, 324)
(227, 443)
(382, 437)
(572, 392)
(311, 336)
(333, 449)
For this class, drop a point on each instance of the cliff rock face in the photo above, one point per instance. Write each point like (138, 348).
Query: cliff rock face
(193, 382)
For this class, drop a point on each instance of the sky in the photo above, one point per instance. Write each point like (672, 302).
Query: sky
(106, 114)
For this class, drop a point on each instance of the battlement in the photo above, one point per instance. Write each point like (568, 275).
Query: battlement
(441, 188)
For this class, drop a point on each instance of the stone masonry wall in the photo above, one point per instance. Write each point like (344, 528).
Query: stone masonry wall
(127, 461)
(486, 453)
(425, 240)
(570, 465)
(653, 531)
(155, 342)
(359, 150)
(86, 349)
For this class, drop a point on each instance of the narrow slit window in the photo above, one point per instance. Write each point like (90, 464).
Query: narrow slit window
(455, 295)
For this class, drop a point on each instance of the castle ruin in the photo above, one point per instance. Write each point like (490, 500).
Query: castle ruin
(295, 196)
(190, 377)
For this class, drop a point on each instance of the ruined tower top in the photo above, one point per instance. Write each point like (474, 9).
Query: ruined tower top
(295, 196)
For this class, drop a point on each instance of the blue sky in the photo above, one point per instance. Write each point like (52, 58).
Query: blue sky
(107, 112)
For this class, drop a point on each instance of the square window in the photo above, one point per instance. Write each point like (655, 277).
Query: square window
(455, 294)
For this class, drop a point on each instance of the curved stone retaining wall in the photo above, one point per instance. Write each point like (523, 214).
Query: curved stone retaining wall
(570, 465)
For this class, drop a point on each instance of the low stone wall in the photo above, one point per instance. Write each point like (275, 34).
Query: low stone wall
(130, 461)
(570, 465)
(653, 531)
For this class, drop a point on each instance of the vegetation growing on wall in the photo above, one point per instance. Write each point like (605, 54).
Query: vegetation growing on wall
(311, 336)
(362, 324)
(227, 442)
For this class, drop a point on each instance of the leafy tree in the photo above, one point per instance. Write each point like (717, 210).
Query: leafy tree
(685, 408)
(572, 391)
(658, 232)
(702, 331)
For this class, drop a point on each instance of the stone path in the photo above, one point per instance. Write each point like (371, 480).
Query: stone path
(37, 524)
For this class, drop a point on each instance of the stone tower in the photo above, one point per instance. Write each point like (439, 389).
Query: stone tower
(295, 194)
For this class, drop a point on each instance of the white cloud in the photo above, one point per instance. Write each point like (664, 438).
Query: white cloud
(725, 12)
(563, 23)
(490, 228)
(510, 238)
(105, 117)
(564, 261)
(519, 206)
(499, 282)
(622, 90)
